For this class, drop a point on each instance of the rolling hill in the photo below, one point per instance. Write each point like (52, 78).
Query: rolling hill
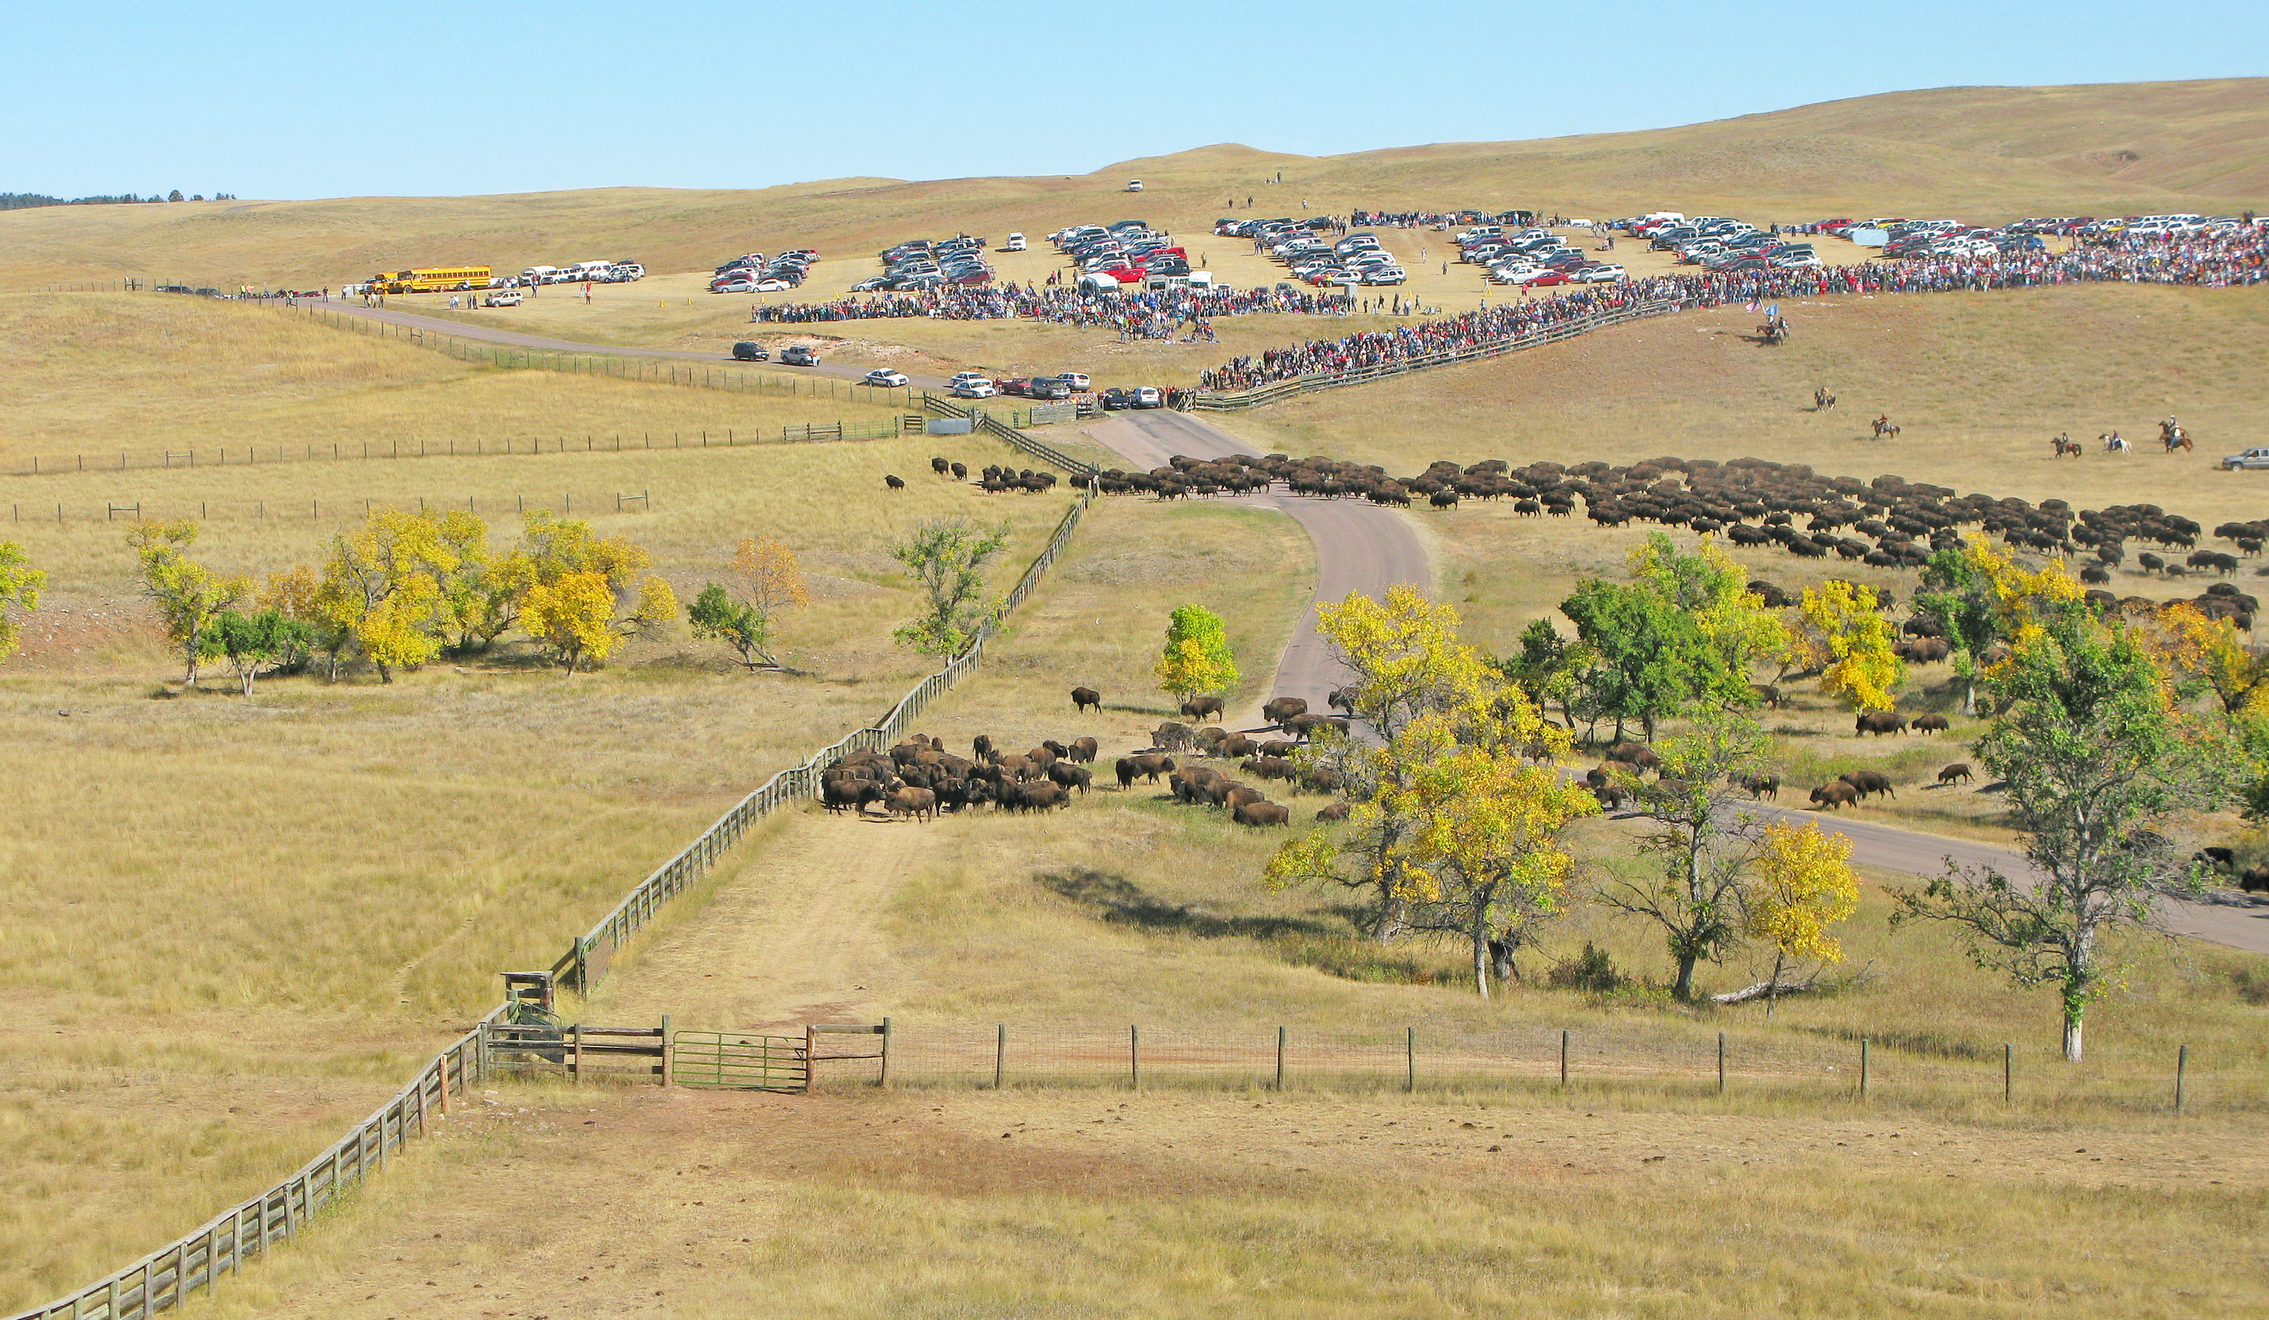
(1982, 153)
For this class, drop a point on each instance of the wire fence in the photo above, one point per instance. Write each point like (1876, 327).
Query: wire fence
(1525, 1058)
(165, 1278)
(566, 503)
(191, 457)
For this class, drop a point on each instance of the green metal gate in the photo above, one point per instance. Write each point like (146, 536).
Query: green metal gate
(740, 1061)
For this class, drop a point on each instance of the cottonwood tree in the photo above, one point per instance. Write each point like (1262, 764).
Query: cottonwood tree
(1197, 660)
(302, 596)
(588, 592)
(1706, 845)
(188, 596)
(251, 641)
(1804, 885)
(385, 584)
(1682, 635)
(2097, 757)
(1845, 637)
(20, 585)
(1408, 665)
(766, 580)
(948, 559)
(1984, 601)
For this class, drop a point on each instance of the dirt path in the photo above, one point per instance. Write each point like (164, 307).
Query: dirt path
(795, 936)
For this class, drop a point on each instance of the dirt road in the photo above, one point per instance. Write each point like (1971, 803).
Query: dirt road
(1360, 547)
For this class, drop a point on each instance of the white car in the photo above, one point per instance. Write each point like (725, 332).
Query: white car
(2248, 460)
(961, 378)
(886, 377)
(1603, 274)
(1015, 243)
(1385, 275)
(1134, 185)
(774, 285)
(1077, 380)
(974, 389)
(502, 298)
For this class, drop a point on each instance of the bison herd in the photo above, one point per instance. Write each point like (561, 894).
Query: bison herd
(1888, 522)
(919, 778)
(1614, 779)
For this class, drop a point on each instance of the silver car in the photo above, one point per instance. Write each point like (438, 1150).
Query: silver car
(2247, 460)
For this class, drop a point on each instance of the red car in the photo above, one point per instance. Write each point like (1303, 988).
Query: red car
(1020, 385)
(1551, 277)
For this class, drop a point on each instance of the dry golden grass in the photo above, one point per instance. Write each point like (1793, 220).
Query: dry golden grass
(98, 374)
(1981, 153)
(1171, 1204)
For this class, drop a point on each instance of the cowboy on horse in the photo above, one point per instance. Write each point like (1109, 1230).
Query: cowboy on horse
(1885, 427)
(2173, 436)
(2065, 444)
(2113, 444)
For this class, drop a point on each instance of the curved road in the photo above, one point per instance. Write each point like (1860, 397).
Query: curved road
(1360, 547)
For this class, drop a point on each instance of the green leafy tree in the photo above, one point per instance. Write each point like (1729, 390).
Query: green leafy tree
(1985, 601)
(2098, 760)
(1682, 634)
(948, 559)
(249, 642)
(1197, 660)
(20, 585)
(188, 596)
(717, 617)
(1706, 845)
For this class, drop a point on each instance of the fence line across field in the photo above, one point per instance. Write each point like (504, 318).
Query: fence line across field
(165, 1278)
(270, 455)
(567, 504)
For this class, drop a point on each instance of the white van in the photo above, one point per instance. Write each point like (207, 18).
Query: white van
(1099, 284)
(539, 275)
(589, 270)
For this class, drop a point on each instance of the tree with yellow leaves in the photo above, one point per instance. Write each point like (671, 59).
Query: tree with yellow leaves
(1986, 602)
(20, 586)
(765, 581)
(587, 592)
(385, 584)
(1197, 660)
(1405, 654)
(188, 596)
(1845, 636)
(1804, 885)
(303, 597)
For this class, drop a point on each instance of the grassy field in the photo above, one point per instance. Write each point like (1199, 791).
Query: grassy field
(1981, 153)
(232, 926)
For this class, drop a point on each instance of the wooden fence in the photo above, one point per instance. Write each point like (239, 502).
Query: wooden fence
(1218, 401)
(982, 421)
(165, 1278)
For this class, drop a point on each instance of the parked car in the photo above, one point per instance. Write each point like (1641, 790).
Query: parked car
(1048, 387)
(974, 389)
(1146, 396)
(1018, 385)
(773, 284)
(1134, 185)
(735, 284)
(884, 376)
(798, 355)
(1076, 379)
(746, 351)
(1015, 243)
(1600, 274)
(964, 377)
(503, 298)
(1115, 398)
(1549, 277)
(2249, 460)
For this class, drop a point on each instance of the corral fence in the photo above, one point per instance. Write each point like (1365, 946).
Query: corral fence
(985, 422)
(1237, 401)
(166, 1278)
(314, 510)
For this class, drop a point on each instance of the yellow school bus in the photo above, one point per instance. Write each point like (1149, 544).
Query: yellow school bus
(435, 280)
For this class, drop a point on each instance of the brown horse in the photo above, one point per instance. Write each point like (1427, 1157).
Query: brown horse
(2065, 444)
(1885, 428)
(2173, 436)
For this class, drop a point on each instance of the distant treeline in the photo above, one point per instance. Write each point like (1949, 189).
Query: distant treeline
(19, 201)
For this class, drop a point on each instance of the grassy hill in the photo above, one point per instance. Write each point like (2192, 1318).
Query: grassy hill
(1980, 152)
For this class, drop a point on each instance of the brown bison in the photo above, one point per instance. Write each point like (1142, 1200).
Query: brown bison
(2255, 880)
(1869, 782)
(1042, 757)
(1150, 765)
(1197, 708)
(1067, 776)
(1879, 722)
(1233, 796)
(1041, 796)
(1925, 650)
(1959, 772)
(1171, 735)
(1278, 747)
(1760, 786)
(1267, 767)
(1083, 750)
(1262, 815)
(918, 803)
(1236, 745)
(1832, 796)
(1084, 697)
(1929, 724)
(1336, 811)
(1283, 708)
(1767, 694)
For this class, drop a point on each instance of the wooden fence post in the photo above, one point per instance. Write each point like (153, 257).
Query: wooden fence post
(1280, 1058)
(1863, 1067)
(2007, 1051)
(1134, 1055)
(1000, 1053)
(2181, 1066)
(1410, 1059)
(883, 1081)
(811, 1061)
(1721, 1063)
(1563, 1058)
(666, 1050)
(575, 1057)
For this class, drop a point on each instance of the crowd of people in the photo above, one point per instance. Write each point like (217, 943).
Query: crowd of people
(2213, 260)
(1182, 312)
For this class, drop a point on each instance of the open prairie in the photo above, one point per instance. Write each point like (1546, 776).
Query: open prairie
(230, 926)
(1988, 153)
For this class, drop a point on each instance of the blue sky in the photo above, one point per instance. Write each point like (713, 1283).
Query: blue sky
(301, 100)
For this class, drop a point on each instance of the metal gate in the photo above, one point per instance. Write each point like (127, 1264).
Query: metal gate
(740, 1061)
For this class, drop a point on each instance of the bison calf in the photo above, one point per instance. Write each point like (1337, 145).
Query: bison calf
(1959, 772)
